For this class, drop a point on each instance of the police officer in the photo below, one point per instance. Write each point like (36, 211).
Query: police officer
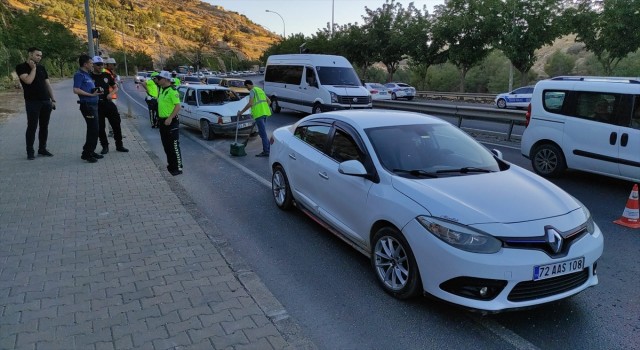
(107, 110)
(259, 104)
(151, 87)
(168, 108)
(84, 87)
(176, 81)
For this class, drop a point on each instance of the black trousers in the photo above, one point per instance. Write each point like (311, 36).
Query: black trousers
(90, 114)
(38, 113)
(169, 135)
(107, 110)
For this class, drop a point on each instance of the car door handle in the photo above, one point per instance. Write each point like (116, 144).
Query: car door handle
(624, 139)
(292, 156)
(613, 137)
(324, 175)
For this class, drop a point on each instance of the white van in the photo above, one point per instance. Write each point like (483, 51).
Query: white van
(313, 84)
(585, 123)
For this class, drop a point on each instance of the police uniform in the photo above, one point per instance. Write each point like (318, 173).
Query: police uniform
(109, 111)
(168, 98)
(152, 99)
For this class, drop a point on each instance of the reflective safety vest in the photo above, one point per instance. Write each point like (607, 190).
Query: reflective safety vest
(114, 95)
(152, 88)
(260, 107)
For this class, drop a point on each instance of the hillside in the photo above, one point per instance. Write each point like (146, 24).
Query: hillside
(179, 25)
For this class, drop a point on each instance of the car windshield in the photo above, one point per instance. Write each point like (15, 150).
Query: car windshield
(216, 97)
(191, 78)
(430, 151)
(338, 76)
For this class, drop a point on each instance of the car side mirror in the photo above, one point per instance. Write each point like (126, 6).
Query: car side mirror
(353, 168)
(497, 153)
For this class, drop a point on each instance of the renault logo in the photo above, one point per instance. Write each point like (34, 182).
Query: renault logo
(554, 239)
(355, 99)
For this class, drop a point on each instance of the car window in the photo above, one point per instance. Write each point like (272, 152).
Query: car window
(344, 148)
(609, 108)
(338, 76)
(429, 148)
(315, 135)
(635, 119)
(181, 93)
(235, 83)
(403, 85)
(190, 96)
(552, 101)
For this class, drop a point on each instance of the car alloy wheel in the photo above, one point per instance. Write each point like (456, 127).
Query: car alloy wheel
(548, 160)
(205, 128)
(501, 103)
(275, 107)
(394, 264)
(316, 109)
(393, 96)
(281, 189)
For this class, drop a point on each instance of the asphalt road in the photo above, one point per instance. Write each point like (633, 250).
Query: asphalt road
(330, 289)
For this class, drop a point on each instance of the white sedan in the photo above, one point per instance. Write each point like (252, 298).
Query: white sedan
(212, 110)
(378, 91)
(519, 98)
(435, 211)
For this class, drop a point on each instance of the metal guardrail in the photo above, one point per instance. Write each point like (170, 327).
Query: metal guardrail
(457, 96)
(490, 114)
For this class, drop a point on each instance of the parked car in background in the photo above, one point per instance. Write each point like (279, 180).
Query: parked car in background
(401, 90)
(141, 77)
(212, 110)
(434, 210)
(378, 91)
(236, 85)
(190, 80)
(519, 98)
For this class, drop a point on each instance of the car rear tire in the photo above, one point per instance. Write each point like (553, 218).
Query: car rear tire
(275, 107)
(394, 264)
(501, 103)
(316, 108)
(548, 160)
(280, 189)
(205, 129)
(393, 96)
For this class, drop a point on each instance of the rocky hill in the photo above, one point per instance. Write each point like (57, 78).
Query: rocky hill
(167, 25)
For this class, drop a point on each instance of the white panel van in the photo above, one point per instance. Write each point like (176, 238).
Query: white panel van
(313, 83)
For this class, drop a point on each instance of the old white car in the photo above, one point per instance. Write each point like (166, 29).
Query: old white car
(212, 110)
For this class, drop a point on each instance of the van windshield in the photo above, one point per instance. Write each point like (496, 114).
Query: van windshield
(338, 76)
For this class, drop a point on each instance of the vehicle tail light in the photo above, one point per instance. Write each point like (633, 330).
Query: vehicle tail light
(373, 92)
(527, 115)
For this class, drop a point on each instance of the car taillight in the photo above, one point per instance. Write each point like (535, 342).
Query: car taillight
(527, 116)
(374, 92)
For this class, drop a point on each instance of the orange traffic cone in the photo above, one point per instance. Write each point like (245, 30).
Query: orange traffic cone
(631, 215)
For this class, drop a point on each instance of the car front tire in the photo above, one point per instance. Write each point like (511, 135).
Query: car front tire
(205, 129)
(280, 189)
(316, 109)
(548, 160)
(275, 106)
(393, 96)
(394, 264)
(501, 103)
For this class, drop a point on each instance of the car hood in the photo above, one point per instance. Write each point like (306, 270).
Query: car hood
(348, 90)
(227, 109)
(510, 196)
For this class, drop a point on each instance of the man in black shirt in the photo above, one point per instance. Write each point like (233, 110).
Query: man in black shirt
(106, 108)
(38, 99)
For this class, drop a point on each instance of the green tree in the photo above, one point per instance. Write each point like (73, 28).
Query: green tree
(611, 34)
(467, 27)
(527, 25)
(388, 28)
(559, 63)
(426, 49)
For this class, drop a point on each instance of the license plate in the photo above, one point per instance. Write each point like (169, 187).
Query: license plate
(383, 93)
(244, 125)
(557, 269)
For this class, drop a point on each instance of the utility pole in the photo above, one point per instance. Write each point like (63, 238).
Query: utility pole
(87, 15)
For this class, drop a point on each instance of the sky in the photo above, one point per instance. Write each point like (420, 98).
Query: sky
(307, 16)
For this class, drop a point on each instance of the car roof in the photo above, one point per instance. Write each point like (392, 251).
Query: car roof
(204, 87)
(370, 118)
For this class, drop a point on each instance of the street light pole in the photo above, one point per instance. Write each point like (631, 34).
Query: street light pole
(87, 15)
(284, 30)
(124, 51)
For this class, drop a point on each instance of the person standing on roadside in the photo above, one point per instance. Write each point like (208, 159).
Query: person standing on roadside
(151, 87)
(107, 110)
(168, 108)
(259, 104)
(176, 81)
(38, 100)
(110, 67)
(88, 94)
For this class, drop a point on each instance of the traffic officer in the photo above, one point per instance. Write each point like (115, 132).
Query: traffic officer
(168, 108)
(151, 87)
(259, 104)
(106, 108)
(176, 81)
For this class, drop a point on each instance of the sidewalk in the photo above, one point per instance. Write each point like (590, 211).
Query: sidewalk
(113, 255)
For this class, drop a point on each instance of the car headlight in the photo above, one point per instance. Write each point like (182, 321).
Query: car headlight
(590, 225)
(461, 236)
(334, 97)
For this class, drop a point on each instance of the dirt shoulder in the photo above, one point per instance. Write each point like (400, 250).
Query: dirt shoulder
(11, 102)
